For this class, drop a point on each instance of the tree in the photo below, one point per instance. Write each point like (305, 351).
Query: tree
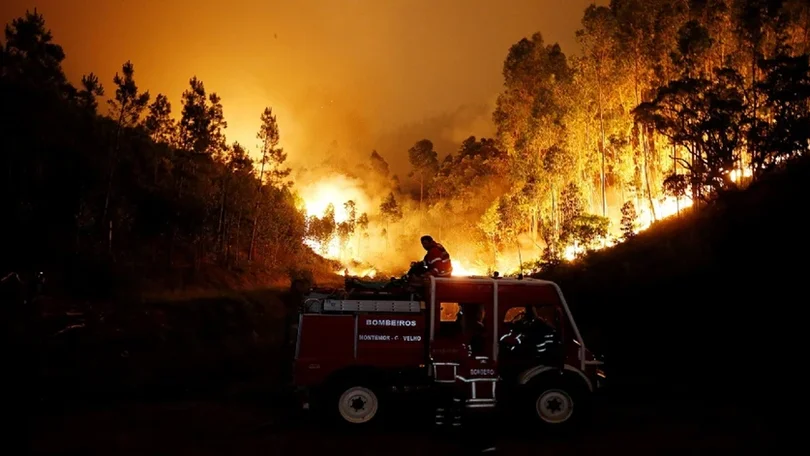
(272, 156)
(217, 126)
(126, 109)
(346, 228)
(194, 120)
(676, 185)
(572, 206)
(128, 104)
(202, 122)
(362, 225)
(786, 86)
(322, 229)
(91, 89)
(391, 213)
(706, 117)
(58, 154)
(161, 129)
(597, 40)
(379, 165)
(31, 57)
(425, 164)
(629, 220)
(489, 224)
(159, 123)
(589, 230)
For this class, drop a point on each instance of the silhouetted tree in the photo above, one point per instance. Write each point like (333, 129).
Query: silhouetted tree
(379, 165)
(91, 89)
(629, 220)
(126, 109)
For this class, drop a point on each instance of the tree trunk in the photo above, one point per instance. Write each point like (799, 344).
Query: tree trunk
(554, 220)
(754, 101)
(236, 241)
(602, 149)
(256, 206)
(111, 174)
(644, 148)
(221, 224)
(675, 171)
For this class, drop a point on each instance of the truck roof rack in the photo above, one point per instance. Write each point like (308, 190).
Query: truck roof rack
(367, 305)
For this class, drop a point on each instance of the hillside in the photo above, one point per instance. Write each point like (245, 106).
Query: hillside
(703, 303)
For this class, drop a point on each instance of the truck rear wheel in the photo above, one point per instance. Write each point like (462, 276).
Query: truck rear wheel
(358, 404)
(355, 404)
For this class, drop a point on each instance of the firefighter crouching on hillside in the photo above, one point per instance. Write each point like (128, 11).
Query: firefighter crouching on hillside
(437, 260)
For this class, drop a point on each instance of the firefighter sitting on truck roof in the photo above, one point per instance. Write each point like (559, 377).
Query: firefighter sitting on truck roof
(437, 260)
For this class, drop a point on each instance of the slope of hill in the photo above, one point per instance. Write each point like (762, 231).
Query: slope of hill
(703, 304)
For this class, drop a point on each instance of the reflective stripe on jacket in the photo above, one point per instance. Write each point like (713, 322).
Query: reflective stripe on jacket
(438, 262)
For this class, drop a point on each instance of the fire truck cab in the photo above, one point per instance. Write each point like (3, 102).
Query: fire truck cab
(473, 342)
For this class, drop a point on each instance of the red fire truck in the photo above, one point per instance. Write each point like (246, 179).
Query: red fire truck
(474, 342)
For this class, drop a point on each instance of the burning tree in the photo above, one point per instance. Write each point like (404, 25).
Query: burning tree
(425, 164)
(362, 224)
(346, 228)
(391, 213)
(321, 230)
(629, 220)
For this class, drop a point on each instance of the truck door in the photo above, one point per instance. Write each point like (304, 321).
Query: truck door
(464, 295)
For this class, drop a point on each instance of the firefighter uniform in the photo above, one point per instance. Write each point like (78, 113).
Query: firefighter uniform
(437, 261)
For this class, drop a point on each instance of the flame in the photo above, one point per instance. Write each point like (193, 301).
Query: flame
(462, 270)
(665, 207)
(334, 190)
(736, 174)
(337, 189)
(362, 272)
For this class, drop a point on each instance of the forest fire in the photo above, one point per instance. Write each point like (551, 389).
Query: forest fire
(665, 207)
(339, 228)
(337, 208)
(334, 202)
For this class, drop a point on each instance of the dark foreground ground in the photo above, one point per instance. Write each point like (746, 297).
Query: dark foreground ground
(675, 426)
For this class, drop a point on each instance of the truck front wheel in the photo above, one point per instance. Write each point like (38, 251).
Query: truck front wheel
(554, 405)
(557, 403)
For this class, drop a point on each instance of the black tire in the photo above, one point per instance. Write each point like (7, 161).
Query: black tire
(557, 403)
(355, 403)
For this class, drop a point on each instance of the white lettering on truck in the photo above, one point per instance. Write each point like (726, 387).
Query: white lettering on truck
(386, 337)
(374, 322)
(374, 337)
(482, 371)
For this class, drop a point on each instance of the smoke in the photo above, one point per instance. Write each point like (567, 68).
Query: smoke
(326, 127)
(332, 165)
(446, 130)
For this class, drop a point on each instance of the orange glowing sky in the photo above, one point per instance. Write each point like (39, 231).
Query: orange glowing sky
(364, 74)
